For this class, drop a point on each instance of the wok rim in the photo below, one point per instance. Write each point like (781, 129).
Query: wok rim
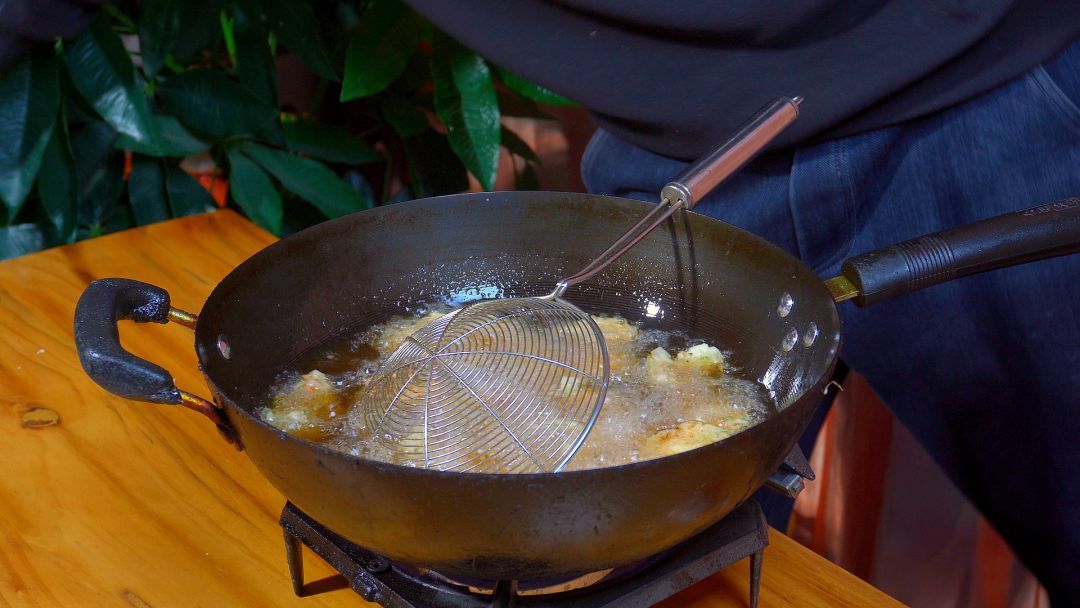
(388, 467)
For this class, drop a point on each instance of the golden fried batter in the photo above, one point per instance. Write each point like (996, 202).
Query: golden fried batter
(658, 402)
(682, 438)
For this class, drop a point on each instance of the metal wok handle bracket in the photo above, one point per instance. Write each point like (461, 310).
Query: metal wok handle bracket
(788, 480)
(1038, 233)
(102, 305)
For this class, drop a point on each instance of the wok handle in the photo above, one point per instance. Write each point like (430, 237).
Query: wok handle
(102, 305)
(1038, 233)
(721, 162)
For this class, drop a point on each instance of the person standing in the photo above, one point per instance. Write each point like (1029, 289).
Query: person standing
(919, 115)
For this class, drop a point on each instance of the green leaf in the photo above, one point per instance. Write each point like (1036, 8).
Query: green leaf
(253, 191)
(379, 49)
(465, 102)
(59, 193)
(180, 28)
(124, 23)
(207, 100)
(198, 27)
(29, 98)
(102, 72)
(273, 133)
(186, 194)
(334, 144)
(101, 175)
(516, 146)
(531, 90)
(90, 146)
(173, 139)
(20, 239)
(404, 117)
(254, 63)
(146, 190)
(228, 36)
(120, 218)
(309, 179)
(300, 215)
(77, 109)
(434, 169)
(294, 24)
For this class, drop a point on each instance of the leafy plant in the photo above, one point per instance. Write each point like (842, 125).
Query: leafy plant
(97, 129)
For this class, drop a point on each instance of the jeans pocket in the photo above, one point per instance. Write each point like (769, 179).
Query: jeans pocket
(588, 160)
(1058, 80)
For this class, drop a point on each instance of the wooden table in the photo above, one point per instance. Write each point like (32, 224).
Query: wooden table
(132, 504)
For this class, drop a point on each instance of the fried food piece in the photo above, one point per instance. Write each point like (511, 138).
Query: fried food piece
(305, 408)
(616, 330)
(618, 427)
(707, 358)
(620, 336)
(393, 334)
(682, 438)
(688, 366)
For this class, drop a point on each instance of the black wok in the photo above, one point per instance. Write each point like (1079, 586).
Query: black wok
(714, 280)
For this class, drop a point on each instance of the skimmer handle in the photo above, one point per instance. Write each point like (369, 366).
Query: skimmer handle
(721, 162)
(697, 181)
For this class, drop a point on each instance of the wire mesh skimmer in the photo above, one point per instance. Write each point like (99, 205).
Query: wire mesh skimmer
(515, 385)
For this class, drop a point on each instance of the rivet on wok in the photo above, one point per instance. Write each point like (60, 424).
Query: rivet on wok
(790, 338)
(786, 302)
(223, 346)
(810, 335)
(377, 565)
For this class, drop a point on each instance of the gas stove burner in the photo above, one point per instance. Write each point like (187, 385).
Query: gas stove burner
(743, 533)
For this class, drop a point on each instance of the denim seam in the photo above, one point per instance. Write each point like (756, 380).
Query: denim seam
(1050, 90)
(848, 192)
(799, 245)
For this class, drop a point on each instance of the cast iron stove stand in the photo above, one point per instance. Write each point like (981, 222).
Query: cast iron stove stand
(743, 533)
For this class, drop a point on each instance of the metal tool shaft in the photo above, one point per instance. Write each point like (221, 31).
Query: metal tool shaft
(699, 179)
(696, 182)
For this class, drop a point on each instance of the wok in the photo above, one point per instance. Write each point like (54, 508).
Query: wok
(714, 280)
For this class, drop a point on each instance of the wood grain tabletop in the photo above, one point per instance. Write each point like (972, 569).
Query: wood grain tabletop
(107, 502)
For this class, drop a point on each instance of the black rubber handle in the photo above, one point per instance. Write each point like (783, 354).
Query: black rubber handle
(1038, 233)
(101, 306)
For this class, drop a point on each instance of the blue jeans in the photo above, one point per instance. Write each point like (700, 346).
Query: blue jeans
(985, 370)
